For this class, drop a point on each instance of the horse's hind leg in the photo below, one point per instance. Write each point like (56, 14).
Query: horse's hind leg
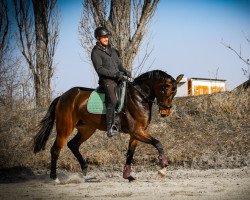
(131, 150)
(82, 135)
(55, 151)
(64, 129)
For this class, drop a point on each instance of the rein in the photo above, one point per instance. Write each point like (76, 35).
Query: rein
(145, 97)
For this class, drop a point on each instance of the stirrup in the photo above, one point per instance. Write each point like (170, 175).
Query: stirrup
(113, 131)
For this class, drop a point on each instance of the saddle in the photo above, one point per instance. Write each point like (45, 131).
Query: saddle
(96, 101)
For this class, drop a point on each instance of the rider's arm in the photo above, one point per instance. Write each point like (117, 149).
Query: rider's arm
(120, 66)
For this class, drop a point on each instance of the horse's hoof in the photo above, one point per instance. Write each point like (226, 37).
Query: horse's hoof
(53, 176)
(57, 181)
(131, 178)
(84, 171)
(162, 172)
(163, 161)
(127, 171)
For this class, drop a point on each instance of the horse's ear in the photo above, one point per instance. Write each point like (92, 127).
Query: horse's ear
(178, 79)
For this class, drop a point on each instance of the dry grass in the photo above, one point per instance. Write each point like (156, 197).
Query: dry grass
(211, 131)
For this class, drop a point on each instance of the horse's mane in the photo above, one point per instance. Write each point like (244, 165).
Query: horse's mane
(154, 74)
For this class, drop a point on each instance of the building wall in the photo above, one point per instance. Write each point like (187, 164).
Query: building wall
(182, 88)
(200, 87)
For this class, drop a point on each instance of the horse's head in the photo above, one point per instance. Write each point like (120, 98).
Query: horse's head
(165, 92)
(160, 85)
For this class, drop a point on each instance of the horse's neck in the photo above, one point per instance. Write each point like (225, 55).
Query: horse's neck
(146, 91)
(142, 105)
(142, 96)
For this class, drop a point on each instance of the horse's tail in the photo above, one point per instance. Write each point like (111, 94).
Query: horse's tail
(45, 128)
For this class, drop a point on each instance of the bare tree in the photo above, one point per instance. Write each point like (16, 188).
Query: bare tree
(128, 22)
(13, 78)
(37, 36)
(4, 29)
(4, 50)
(246, 71)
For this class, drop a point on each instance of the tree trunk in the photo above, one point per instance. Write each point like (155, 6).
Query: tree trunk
(43, 74)
(119, 23)
(128, 21)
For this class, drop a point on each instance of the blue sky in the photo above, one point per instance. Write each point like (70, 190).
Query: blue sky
(185, 37)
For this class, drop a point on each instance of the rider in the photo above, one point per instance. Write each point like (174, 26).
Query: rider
(109, 68)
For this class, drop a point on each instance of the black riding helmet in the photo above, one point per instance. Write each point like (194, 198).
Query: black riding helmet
(101, 31)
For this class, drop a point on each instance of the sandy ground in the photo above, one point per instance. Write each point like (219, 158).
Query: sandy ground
(177, 184)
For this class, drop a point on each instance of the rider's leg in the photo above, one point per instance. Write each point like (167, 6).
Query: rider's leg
(109, 87)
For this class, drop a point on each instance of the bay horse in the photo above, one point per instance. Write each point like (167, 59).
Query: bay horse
(69, 111)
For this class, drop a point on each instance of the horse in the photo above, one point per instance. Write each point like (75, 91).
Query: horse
(69, 111)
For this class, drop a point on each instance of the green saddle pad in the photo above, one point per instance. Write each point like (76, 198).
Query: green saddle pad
(96, 101)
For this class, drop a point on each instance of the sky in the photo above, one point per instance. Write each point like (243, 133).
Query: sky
(185, 37)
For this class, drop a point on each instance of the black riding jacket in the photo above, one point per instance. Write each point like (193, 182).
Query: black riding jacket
(106, 61)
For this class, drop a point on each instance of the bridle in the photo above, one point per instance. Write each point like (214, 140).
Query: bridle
(160, 104)
(148, 100)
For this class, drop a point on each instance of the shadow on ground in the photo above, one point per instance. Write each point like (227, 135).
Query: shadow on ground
(16, 175)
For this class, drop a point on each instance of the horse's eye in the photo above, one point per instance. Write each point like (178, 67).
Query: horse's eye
(164, 88)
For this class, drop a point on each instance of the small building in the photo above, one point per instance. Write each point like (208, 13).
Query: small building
(182, 88)
(200, 86)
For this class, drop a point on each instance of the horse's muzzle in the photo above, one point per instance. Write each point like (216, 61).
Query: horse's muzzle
(165, 112)
(162, 115)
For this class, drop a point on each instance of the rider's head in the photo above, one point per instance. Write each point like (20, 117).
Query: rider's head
(102, 35)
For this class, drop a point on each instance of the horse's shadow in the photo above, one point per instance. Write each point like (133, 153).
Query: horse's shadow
(16, 175)
(21, 174)
(24, 174)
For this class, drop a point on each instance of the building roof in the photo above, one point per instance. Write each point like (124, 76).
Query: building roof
(207, 79)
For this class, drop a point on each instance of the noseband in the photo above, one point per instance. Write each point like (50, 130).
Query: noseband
(161, 105)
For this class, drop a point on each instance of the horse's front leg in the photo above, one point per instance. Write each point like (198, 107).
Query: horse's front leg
(130, 153)
(145, 137)
(162, 157)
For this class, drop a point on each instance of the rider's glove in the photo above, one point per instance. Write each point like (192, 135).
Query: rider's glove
(120, 76)
(128, 74)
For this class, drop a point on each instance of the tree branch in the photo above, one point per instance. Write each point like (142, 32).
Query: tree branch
(24, 28)
(147, 11)
(237, 53)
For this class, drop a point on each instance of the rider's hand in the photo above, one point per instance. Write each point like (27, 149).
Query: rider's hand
(120, 76)
(128, 74)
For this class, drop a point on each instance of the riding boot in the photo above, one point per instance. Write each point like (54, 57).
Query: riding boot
(117, 122)
(111, 128)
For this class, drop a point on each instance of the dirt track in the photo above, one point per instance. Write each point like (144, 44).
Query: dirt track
(178, 184)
